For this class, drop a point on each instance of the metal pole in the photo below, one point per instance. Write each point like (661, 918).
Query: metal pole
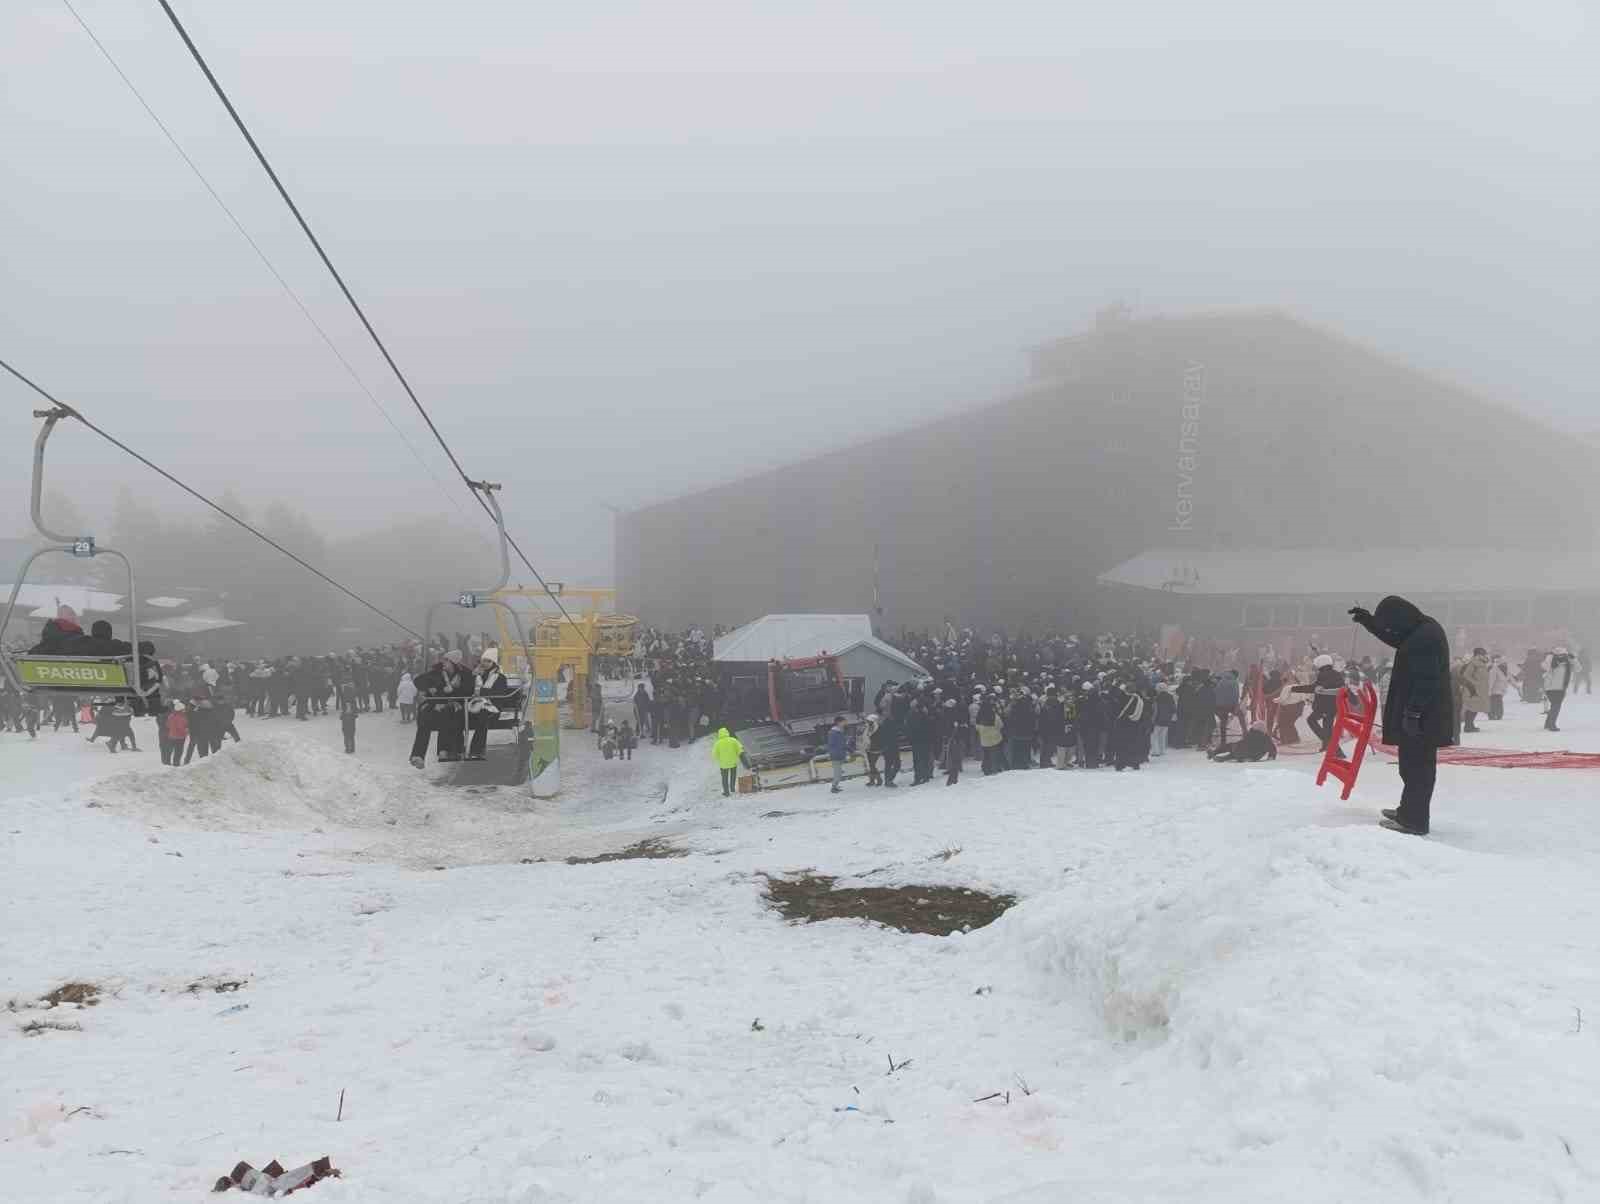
(11, 606)
(51, 417)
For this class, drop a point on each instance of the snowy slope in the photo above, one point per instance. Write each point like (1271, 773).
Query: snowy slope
(1221, 983)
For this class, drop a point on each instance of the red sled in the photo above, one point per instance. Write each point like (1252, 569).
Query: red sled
(1351, 719)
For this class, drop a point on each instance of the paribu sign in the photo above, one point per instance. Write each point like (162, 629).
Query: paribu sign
(111, 675)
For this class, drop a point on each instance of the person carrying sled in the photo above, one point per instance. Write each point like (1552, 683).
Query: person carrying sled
(1418, 710)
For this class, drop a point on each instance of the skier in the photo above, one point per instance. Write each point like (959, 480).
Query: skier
(1417, 709)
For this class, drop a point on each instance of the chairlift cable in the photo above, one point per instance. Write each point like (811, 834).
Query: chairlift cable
(73, 412)
(261, 254)
(255, 147)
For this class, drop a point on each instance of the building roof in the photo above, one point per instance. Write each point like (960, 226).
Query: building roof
(41, 600)
(888, 651)
(781, 637)
(188, 624)
(1356, 573)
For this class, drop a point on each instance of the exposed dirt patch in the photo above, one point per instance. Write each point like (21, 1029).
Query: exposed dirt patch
(215, 985)
(85, 994)
(653, 849)
(937, 910)
(37, 1028)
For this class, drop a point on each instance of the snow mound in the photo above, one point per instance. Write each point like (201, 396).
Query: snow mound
(278, 781)
(1315, 980)
(1214, 949)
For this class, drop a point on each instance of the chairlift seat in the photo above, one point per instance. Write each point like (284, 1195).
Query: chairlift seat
(100, 676)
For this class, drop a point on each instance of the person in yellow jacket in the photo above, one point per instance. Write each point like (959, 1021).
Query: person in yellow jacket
(727, 750)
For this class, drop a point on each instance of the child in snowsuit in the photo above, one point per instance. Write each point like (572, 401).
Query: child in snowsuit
(626, 740)
(174, 732)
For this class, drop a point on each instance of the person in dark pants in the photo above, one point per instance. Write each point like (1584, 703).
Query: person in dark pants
(889, 739)
(955, 742)
(490, 692)
(1092, 725)
(1325, 697)
(1417, 712)
(349, 708)
(1022, 725)
(1558, 674)
(441, 694)
(919, 730)
(726, 751)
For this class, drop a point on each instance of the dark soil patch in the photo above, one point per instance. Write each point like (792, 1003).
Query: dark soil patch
(219, 986)
(86, 994)
(652, 849)
(35, 1028)
(937, 910)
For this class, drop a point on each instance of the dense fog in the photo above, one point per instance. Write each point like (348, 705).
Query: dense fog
(627, 250)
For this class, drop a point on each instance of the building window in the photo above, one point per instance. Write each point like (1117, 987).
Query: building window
(1316, 614)
(1286, 614)
(1551, 611)
(1473, 613)
(1257, 615)
(1509, 612)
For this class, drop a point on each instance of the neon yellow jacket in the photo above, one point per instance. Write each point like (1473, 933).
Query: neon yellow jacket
(726, 750)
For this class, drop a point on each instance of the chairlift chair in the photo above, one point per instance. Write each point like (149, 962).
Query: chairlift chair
(506, 763)
(99, 677)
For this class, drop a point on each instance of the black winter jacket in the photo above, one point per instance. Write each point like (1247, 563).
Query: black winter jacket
(1420, 680)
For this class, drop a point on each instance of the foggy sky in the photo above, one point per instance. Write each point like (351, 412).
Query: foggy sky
(625, 250)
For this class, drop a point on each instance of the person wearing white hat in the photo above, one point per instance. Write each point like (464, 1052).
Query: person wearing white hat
(1325, 697)
(1558, 672)
(490, 691)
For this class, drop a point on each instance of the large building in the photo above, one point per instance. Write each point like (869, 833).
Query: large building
(1223, 431)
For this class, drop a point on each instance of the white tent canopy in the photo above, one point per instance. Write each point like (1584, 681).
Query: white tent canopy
(785, 637)
(41, 601)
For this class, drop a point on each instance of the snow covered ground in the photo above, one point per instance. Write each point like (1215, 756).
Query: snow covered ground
(1220, 982)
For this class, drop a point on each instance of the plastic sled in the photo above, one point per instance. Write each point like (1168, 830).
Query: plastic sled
(1350, 719)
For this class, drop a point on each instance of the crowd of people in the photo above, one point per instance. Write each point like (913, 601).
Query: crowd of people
(1003, 702)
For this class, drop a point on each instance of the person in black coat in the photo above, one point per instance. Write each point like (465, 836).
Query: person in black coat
(1253, 746)
(1418, 716)
(1052, 727)
(441, 696)
(920, 734)
(1325, 701)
